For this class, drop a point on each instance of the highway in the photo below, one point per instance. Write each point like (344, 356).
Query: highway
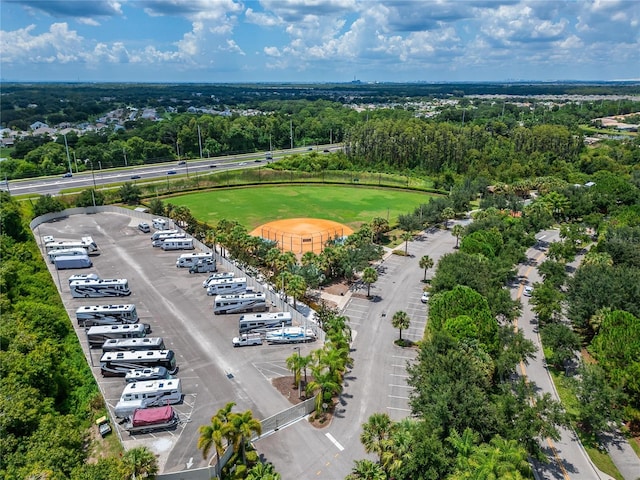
(148, 173)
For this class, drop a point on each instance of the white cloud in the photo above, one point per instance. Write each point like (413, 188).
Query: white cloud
(22, 46)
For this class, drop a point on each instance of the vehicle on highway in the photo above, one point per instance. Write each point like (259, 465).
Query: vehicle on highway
(135, 177)
(425, 297)
(67, 175)
(257, 160)
(242, 163)
(528, 291)
(171, 172)
(212, 166)
(326, 151)
(182, 162)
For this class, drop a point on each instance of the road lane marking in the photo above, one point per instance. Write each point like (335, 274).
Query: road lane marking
(334, 441)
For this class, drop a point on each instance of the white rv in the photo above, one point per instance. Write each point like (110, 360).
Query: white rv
(186, 260)
(244, 302)
(159, 233)
(261, 322)
(158, 242)
(66, 252)
(160, 224)
(178, 244)
(148, 394)
(133, 344)
(108, 287)
(90, 315)
(86, 243)
(217, 276)
(227, 286)
(97, 335)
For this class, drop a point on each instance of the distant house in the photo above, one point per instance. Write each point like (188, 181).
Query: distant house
(37, 125)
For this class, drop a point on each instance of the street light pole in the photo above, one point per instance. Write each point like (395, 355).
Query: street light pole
(66, 146)
(299, 376)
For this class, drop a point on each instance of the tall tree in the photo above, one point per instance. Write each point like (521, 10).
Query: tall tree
(457, 232)
(369, 276)
(376, 435)
(401, 321)
(426, 262)
(140, 462)
(244, 426)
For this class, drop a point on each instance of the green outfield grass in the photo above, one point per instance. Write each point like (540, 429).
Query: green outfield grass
(254, 206)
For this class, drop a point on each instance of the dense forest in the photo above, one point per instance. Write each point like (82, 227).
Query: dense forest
(485, 153)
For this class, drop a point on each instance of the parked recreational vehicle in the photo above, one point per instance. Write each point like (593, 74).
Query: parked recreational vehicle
(186, 260)
(67, 252)
(203, 266)
(146, 374)
(133, 344)
(117, 364)
(109, 287)
(97, 335)
(74, 261)
(257, 322)
(244, 302)
(160, 224)
(148, 394)
(227, 286)
(163, 238)
(86, 243)
(178, 244)
(145, 420)
(91, 315)
(83, 276)
(217, 276)
(159, 233)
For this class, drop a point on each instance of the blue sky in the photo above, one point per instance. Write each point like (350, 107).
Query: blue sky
(216, 41)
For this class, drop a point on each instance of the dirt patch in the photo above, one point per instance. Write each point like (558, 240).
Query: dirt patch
(336, 288)
(286, 387)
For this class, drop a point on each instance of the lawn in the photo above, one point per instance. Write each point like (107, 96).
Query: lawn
(254, 206)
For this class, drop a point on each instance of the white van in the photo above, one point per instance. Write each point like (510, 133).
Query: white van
(186, 260)
(160, 224)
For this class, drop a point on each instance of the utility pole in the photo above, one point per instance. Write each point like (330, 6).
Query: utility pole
(291, 132)
(66, 145)
(124, 152)
(200, 142)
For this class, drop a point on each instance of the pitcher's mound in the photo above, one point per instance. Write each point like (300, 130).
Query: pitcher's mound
(300, 235)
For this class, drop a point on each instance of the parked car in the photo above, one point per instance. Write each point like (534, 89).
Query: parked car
(425, 297)
(144, 227)
(527, 291)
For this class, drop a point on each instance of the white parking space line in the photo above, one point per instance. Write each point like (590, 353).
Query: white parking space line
(399, 409)
(398, 375)
(402, 357)
(334, 441)
(395, 385)
(397, 396)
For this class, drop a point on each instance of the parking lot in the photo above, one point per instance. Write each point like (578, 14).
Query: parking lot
(176, 306)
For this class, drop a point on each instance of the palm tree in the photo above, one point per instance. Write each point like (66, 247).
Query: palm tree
(366, 470)
(294, 363)
(400, 321)
(426, 262)
(324, 385)
(376, 434)
(212, 436)
(296, 287)
(457, 232)
(244, 425)
(263, 471)
(369, 276)
(379, 226)
(140, 462)
(406, 236)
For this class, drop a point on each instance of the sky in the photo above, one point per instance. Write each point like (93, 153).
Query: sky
(231, 41)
